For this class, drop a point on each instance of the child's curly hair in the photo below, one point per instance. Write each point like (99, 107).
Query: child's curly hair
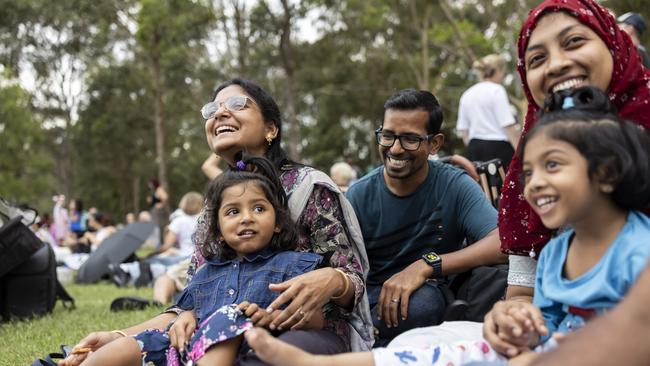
(254, 170)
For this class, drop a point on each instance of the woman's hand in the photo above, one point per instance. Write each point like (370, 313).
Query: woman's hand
(306, 296)
(94, 341)
(182, 330)
(511, 326)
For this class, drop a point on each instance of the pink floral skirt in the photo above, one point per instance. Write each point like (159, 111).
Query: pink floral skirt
(225, 323)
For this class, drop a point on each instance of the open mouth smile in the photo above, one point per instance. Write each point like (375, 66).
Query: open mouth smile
(225, 129)
(567, 84)
(545, 204)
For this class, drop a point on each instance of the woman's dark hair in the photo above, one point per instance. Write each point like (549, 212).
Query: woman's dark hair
(253, 170)
(103, 218)
(270, 113)
(617, 151)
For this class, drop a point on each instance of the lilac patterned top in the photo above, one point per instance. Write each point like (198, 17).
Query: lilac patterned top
(322, 230)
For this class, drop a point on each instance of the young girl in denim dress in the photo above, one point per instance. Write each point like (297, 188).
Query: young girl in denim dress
(229, 294)
(585, 172)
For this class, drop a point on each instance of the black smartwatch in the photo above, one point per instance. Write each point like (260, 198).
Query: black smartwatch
(435, 262)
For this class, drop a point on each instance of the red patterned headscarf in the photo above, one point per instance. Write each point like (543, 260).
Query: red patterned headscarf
(521, 230)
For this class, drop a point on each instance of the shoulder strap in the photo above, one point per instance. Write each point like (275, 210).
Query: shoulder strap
(66, 300)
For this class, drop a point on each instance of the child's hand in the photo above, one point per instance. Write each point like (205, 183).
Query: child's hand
(259, 316)
(512, 327)
(181, 331)
(526, 326)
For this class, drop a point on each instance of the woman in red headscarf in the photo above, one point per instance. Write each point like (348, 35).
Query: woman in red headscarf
(563, 44)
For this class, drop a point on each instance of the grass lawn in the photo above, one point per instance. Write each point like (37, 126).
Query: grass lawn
(21, 342)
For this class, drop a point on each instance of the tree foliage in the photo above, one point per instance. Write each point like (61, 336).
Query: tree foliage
(111, 89)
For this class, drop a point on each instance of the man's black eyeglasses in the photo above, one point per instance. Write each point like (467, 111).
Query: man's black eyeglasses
(408, 142)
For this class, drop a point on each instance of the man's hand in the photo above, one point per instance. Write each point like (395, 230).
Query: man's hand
(396, 291)
(182, 330)
(512, 327)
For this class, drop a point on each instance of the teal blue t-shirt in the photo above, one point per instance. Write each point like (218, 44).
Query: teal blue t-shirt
(446, 209)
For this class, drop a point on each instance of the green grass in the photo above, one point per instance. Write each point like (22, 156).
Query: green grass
(21, 342)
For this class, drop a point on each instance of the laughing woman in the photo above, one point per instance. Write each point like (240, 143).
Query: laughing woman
(242, 117)
(563, 44)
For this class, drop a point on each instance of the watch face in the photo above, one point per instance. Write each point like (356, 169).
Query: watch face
(432, 257)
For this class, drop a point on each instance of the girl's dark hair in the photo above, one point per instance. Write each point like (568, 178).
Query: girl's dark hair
(270, 113)
(254, 170)
(617, 151)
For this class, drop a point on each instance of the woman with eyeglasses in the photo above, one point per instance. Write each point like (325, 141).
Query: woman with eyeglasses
(243, 117)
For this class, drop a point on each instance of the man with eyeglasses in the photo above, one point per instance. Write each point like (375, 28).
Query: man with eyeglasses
(415, 215)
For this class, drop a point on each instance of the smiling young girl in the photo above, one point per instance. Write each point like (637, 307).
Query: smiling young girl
(255, 237)
(583, 169)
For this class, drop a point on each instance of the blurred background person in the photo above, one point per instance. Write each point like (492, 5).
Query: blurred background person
(343, 175)
(485, 119)
(60, 227)
(178, 239)
(130, 218)
(157, 200)
(77, 217)
(634, 25)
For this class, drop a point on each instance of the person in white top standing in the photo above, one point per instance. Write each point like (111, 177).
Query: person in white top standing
(485, 120)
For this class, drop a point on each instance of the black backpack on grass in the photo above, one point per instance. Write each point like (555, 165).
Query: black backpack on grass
(28, 281)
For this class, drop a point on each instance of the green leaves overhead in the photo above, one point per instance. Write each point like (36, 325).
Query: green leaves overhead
(111, 89)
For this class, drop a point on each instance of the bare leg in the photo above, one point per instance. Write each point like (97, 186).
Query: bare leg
(222, 354)
(276, 352)
(121, 352)
(164, 289)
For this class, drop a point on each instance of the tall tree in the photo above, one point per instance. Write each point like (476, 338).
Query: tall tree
(168, 34)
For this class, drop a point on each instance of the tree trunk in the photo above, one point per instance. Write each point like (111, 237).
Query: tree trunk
(289, 68)
(158, 114)
(136, 195)
(242, 36)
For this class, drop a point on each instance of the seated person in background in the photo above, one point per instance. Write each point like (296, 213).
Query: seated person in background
(180, 231)
(99, 227)
(343, 175)
(130, 218)
(415, 215)
(171, 282)
(153, 241)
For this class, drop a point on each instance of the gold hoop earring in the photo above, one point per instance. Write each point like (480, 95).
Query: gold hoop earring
(269, 139)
